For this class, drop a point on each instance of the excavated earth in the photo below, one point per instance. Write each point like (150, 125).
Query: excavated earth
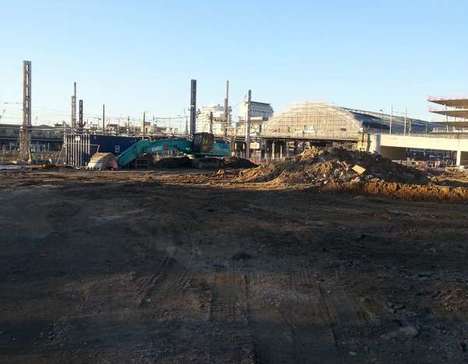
(196, 267)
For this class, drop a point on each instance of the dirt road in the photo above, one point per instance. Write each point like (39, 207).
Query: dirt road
(128, 268)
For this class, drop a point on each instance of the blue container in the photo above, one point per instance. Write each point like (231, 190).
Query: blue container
(111, 143)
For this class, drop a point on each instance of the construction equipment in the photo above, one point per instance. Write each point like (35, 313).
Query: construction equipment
(203, 145)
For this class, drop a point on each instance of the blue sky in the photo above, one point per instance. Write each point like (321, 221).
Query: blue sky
(140, 55)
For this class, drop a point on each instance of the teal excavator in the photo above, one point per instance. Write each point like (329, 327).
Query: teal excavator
(201, 146)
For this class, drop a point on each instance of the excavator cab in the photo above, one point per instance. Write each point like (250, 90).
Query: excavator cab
(202, 143)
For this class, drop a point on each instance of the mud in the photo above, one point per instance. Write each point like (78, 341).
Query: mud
(189, 267)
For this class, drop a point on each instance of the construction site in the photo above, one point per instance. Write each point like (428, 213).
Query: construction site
(320, 234)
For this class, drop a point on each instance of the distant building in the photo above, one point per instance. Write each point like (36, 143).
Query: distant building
(260, 112)
(314, 120)
(44, 138)
(220, 124)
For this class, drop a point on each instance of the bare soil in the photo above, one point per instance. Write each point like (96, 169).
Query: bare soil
(189, 267)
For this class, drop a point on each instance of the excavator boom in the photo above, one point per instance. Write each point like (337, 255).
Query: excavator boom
(203, 145)
(153, 147)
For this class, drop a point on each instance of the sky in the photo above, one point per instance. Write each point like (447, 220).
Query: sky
(140, 55)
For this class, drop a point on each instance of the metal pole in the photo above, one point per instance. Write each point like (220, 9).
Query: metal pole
(226, 109)
(103, 118)
(404, 132)
(80, 116)
(25, 141)
(193, 107)
(410, 121)
(211, 122)
(73, 107)
(391, 120)
(247, 125)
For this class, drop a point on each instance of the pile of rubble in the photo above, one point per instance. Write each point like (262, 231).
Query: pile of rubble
(319, 167)
(203, 163)
(238, 163)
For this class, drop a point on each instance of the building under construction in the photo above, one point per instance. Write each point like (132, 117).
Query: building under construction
(453, 115)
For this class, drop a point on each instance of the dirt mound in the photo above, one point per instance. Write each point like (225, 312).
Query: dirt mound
(404, 191)
(173, 163)
(320, 167)
(238, 163)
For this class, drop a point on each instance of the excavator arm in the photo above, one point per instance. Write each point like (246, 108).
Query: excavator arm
(153, 147)
(203, 145)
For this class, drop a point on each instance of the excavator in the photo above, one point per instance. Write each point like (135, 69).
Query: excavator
(202, 146)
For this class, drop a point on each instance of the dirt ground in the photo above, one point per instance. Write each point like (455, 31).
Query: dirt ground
(161, 267)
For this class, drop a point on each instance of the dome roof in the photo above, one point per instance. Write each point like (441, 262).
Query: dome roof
(317, 120)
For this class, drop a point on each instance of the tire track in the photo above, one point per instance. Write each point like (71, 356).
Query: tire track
(228, 312)
(288, 319)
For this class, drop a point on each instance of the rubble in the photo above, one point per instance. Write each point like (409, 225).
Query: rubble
(341, 170)
(320, 167)
(238, 163)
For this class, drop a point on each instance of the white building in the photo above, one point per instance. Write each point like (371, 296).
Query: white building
(220, 124)
(259, 113)
(258, 110)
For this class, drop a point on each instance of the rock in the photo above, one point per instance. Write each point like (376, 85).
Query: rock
(406, 331)
(410, 331)
(359, 169)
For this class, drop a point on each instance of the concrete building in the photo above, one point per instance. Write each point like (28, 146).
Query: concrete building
(453, 117)
(396, 146)
(44, 138)
(220, 124)
(260, 112)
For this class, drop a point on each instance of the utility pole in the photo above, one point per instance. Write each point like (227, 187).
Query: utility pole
(226, 109)
(80, 116)
(410, 122)
(406, 125)
(104, 119)
(143, 131)
(211, 122)
(247, 125)
(73, 107)
(128, 125)
(25, 137)
(193, 107)
(391, 119)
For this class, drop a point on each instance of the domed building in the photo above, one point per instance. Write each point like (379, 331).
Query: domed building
(321, 121)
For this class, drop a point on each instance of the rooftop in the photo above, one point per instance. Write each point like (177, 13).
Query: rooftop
(458, 103)
(454, 107)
